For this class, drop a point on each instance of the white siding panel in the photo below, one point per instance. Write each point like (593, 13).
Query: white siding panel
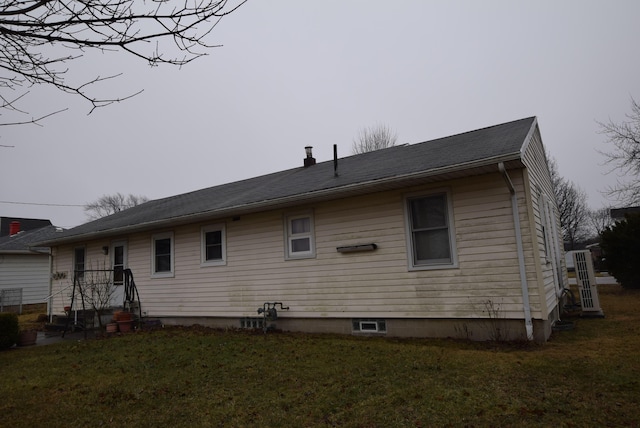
(27, 271)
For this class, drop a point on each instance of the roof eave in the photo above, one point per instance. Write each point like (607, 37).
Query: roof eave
(330, 193)
(23, 252)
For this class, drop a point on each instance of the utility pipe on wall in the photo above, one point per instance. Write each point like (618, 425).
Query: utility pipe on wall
(528, 323)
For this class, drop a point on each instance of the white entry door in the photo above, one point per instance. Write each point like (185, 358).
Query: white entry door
(118, 264)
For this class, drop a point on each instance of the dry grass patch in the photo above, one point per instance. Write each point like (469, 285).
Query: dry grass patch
(200, 377)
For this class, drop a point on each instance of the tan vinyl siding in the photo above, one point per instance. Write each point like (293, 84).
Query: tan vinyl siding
(364, 284)
(540, 188)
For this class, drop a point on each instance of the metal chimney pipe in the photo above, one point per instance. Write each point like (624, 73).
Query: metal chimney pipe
(309, 160)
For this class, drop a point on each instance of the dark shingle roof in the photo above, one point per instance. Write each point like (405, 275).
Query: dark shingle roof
(394, 164)
(25, 224)
(24, 241)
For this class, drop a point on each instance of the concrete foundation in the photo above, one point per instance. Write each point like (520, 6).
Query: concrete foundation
(471, 329)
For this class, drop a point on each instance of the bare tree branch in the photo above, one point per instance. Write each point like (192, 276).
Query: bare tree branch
(624, 157)
(111, 204)
(10, 105)
(572, 206)
(374, 138)
(600, 219)
(158, 31)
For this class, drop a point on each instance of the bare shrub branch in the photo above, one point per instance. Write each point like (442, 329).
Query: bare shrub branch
(624, 157)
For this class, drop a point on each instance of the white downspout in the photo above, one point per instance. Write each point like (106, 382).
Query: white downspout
(528, 324)
(50, 300)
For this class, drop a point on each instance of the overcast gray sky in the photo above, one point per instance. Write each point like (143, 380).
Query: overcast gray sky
(294, 73)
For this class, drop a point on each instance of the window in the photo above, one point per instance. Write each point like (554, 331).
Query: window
(162, 255)
(430, 231)
(213, 249)
(368, 325)
(300, 236)
(119, 261)
(78, 262)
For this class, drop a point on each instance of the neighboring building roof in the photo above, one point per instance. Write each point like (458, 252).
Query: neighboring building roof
(25, 224)
(619, 213)
(460, 155)
(23, 242)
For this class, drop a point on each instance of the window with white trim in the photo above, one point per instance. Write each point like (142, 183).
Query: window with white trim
(431, 236)
(162, 255)
(79, 256)
(213, 250)
(299, 239)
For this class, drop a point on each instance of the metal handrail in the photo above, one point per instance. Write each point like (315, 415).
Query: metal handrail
(58, 292)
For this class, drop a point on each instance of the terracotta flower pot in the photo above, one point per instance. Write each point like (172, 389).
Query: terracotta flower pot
(27, 338)
(125, 326)
(112, 327)
(122, 316)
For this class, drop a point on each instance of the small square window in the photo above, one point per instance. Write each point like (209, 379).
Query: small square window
(369, 325)
(299, 236)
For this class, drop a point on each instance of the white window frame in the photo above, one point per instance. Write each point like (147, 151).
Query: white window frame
(203, 245)
(75, 261)
(289, 237)
(112, 257)
(157, 237)
(453, 263)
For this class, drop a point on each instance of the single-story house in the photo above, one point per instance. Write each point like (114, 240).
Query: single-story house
(454, 237)
(24, 268)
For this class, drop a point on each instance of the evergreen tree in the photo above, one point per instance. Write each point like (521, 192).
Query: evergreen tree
(620, 244)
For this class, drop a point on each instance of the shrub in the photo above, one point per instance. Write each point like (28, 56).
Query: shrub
(620, 244)
(9, 329)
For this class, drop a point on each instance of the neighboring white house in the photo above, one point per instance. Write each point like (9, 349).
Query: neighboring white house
(431, 240)
(617, 214)
(24, 269)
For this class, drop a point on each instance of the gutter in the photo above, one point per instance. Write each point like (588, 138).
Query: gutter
(29, 251)
(528, 323)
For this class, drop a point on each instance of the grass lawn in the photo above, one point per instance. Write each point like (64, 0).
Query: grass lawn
(589, 376)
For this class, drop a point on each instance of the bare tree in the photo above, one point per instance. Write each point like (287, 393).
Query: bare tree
(573, 213)
(374, 138)
(572, 206)
(40, 38)
(600, 219)
(111, 204)
(625, 155)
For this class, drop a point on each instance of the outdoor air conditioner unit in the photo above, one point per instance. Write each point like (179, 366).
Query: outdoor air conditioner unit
(587, 286)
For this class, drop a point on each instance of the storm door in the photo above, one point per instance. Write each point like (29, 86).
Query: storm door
(119, 264)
